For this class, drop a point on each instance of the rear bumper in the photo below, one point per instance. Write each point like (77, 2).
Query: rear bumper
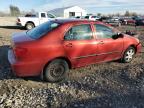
(19, 24)
(23, 69)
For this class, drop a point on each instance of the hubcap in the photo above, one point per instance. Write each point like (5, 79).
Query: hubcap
(129, 55)
(29, 27)
(57, 71)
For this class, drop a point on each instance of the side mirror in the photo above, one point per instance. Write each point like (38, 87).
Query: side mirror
(118, 35)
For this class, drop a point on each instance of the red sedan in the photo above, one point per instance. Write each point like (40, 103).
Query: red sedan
(54, 47)
(128, 21)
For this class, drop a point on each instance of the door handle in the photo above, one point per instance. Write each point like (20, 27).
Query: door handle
(101, 42)
(69, 45)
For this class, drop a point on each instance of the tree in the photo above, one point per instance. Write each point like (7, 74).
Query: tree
(14, 10)
(127, 13)
(99, 14)
(2, 14)
(134, 14)
(32, 11)
(118, 14)
(89, 14)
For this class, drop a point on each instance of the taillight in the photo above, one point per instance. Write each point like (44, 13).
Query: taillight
(18, 20)
(20, 52)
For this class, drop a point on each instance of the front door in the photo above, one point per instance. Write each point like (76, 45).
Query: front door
(43, 18)
(80, 45)
(108, 48)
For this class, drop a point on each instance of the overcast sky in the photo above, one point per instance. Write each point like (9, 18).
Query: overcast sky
(92, 6)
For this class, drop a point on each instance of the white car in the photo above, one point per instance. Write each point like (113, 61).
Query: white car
(30, 22)
(92, 17)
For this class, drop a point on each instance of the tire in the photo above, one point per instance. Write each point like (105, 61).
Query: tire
(128, 55)
(29, 26)
(56, 70)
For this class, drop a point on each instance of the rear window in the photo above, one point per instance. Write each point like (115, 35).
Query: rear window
(42, 29)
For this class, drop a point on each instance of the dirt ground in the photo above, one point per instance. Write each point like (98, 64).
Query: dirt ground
(7, 21)
(106, 85)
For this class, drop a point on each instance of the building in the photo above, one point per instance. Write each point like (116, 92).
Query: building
(68, 12)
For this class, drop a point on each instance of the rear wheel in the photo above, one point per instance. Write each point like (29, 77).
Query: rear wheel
(29, 26)
(128, 55)
(56, 70)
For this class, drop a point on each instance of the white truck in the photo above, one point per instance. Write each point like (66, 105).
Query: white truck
(30, 21)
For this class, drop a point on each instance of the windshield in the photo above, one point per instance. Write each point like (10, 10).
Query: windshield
(42, 29)
(51, 16)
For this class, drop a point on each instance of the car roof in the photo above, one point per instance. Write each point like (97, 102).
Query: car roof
(62, 21)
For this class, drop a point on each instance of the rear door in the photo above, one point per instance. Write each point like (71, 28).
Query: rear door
(80, 45)
(108, 48)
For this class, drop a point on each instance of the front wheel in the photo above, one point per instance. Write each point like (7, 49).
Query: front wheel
(56, 70)
(128, 55)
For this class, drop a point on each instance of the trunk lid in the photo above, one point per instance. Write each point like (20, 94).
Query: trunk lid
(21, 37)
(19, 49)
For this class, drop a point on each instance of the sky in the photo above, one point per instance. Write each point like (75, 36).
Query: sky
(92, 6)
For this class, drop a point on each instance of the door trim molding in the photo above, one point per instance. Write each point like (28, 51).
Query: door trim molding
(92, 55)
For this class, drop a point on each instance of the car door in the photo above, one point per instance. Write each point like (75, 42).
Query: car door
(43, 18)
(108, 47)
(80, 45)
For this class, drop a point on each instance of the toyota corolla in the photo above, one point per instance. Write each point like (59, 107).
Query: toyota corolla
(51, 49)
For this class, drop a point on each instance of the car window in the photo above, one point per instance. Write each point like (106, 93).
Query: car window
(93, 17)
(42, 29)
(50, 15)
(79, 32)
(43, 15)
(103, 32)
(78, 17)
(87, 17)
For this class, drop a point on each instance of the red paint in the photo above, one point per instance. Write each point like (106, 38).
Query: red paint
(28, 57)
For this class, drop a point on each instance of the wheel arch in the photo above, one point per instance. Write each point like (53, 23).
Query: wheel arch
(125, 50)
(132, 45)
(29, 22)
(44, 67)
(63, 58)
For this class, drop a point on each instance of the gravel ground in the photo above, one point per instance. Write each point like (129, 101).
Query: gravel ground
(106, 85)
